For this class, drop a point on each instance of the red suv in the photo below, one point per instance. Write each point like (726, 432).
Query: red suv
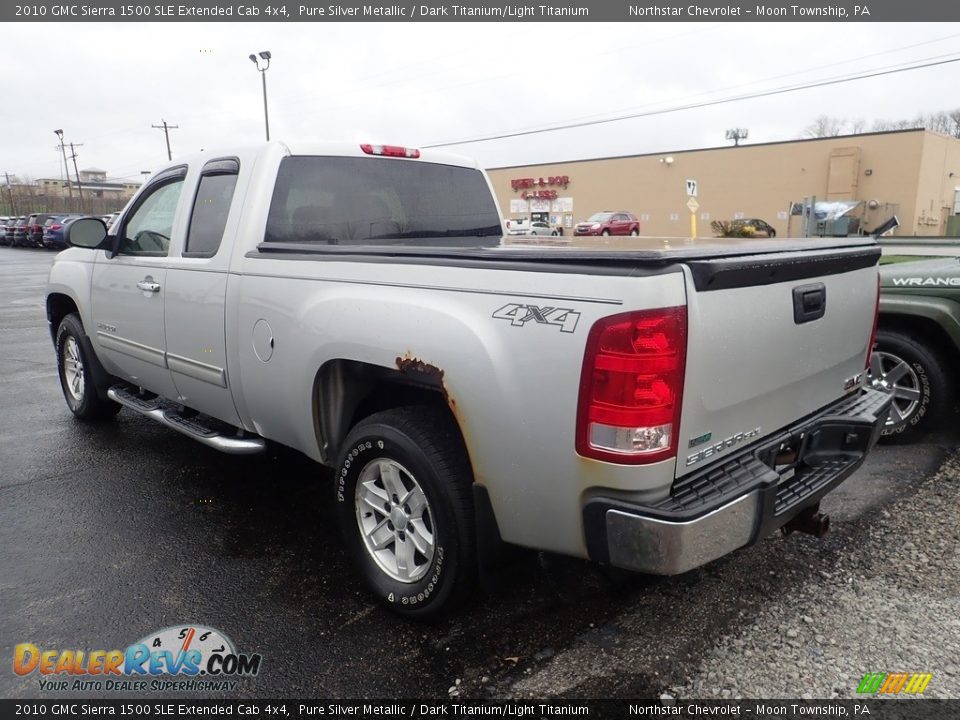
(609, 222)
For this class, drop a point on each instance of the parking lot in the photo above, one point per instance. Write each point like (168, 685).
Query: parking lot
(112, 531)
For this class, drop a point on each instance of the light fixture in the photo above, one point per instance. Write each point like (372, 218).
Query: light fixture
(668, 160)
(265, 55)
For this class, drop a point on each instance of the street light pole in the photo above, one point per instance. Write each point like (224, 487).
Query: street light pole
(265, 56)
(59, 134)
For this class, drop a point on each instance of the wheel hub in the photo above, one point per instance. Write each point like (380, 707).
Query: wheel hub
(399, 518)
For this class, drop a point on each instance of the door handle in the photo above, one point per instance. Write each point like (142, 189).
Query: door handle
(148, 285)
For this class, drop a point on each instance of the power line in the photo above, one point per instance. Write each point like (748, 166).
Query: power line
(693, 106)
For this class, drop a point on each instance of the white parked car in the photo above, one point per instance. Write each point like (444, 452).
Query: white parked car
(525, 227)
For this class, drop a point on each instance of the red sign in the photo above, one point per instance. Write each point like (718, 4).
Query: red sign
(539, 195)
(552, 181)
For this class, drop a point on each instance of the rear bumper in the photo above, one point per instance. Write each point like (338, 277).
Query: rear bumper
(741, 498)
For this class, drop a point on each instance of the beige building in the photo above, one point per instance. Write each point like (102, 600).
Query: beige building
(93, 182)
(914, 174)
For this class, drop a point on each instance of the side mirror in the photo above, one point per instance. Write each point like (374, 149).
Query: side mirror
(86, 233)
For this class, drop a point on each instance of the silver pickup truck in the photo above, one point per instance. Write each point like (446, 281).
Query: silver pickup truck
(651, 404)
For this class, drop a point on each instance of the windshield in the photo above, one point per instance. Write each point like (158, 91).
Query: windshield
(376, 201)
(600, 217)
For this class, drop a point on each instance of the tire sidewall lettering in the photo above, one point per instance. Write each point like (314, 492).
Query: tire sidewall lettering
(431, 586)
(348, 462)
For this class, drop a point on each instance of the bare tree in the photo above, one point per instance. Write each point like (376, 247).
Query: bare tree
(883, 125)
(954, 116)
(858, 126)
(824, 126)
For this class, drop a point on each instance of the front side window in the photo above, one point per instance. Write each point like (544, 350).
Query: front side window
(375, 202)
(148, 230)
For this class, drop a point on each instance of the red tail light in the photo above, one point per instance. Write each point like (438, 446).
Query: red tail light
(876, 324)
(390, 150)
(631, 386)
(56, 227)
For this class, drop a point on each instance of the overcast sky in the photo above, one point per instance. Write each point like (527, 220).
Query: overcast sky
(105, 84)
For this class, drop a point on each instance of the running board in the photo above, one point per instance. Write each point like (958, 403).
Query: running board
(190, 427)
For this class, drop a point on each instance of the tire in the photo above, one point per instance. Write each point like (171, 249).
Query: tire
(634, 233)
(605, 233)
(914, 373)
(417, 451)
(76, 381)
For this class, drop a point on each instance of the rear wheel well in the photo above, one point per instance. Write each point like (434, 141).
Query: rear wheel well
(924, 331)
(346, 391)
(58, 307)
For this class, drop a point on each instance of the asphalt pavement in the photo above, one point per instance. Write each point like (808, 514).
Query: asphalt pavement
(111, 531)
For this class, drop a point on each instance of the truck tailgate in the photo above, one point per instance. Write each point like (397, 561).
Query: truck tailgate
(772, 338)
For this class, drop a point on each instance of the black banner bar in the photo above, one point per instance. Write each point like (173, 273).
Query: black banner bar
(872, 708)
(641, 11)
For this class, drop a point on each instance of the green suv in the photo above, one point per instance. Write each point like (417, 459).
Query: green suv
(918, 342)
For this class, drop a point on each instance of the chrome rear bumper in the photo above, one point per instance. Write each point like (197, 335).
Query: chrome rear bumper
(740, 498)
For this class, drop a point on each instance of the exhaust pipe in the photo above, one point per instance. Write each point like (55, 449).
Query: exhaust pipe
(809, 521)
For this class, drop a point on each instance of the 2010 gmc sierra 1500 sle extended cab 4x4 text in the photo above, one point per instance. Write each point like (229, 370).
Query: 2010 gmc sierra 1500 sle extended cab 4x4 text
(647, 404)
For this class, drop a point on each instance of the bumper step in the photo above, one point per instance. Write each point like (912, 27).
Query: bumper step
(193, 427)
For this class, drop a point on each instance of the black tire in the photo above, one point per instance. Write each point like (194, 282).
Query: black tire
(76, 378)
(922, 370)
(605, 233)
(425, 443)
(634, 233)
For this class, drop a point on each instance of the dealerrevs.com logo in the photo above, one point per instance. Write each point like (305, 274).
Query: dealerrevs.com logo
(180, 658)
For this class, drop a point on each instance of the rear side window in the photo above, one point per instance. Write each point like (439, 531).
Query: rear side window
(376, 201)
(211, 207)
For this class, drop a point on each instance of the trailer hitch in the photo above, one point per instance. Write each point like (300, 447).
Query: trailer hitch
(810, 521)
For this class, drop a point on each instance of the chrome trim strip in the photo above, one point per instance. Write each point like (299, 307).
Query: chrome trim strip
(197, 370)
(133, 349)
(660, 547)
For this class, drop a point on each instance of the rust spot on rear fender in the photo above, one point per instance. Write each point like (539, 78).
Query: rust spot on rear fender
(410, 364)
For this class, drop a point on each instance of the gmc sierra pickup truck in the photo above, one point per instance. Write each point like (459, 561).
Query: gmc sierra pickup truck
(650, 404)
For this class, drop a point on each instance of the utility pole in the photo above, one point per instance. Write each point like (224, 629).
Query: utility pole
(59, 134)
(13, 209)
(73, 156)
(166, 132)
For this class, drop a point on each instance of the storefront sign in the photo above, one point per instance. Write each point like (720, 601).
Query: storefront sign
(530, 183)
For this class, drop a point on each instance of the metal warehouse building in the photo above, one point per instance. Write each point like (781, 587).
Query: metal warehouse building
(914, 174)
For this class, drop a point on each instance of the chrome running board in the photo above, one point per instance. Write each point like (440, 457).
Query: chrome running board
(155, 410)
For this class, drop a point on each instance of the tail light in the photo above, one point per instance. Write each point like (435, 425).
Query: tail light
(876, 324)
(390, 150)
(56, 227)
(631, 386)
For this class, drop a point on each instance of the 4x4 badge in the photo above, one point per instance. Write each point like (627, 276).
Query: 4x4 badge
(519, 315)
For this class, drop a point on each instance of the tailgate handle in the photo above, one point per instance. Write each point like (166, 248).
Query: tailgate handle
(809, 302)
